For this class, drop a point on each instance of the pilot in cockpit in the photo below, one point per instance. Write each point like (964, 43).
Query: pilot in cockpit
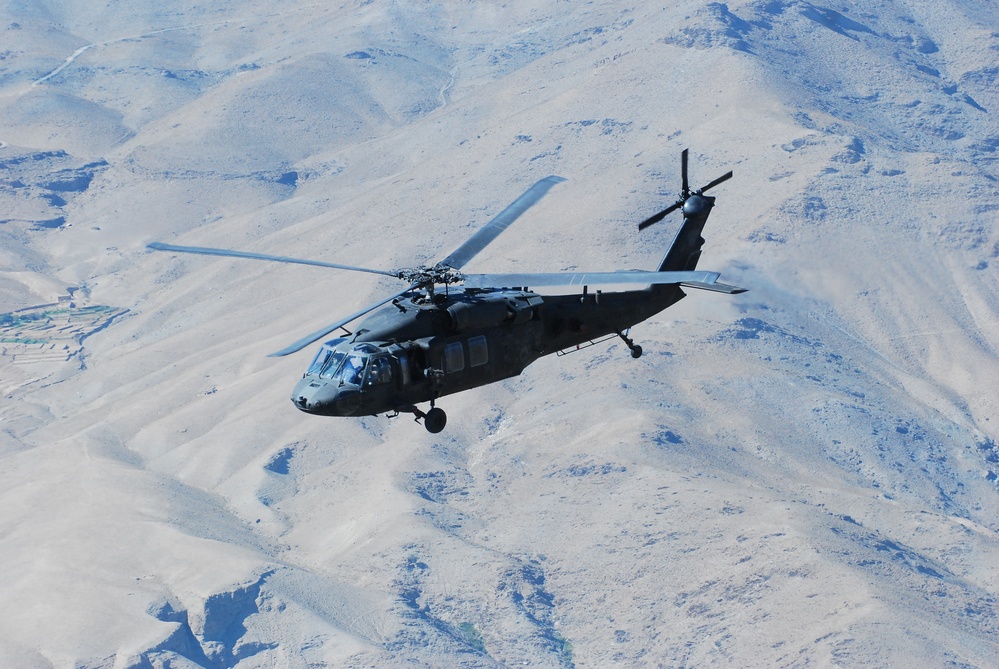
(353, 369)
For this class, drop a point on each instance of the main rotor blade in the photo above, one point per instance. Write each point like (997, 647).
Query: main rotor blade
(588, 278)
(319, 334)
(724, 177)
(160, 246)
(493, 228)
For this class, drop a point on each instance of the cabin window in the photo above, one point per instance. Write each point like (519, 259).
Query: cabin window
(454, 357)
(478, 351)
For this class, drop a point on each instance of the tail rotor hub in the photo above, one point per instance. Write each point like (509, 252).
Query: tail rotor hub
(696, 205)
(692, 203)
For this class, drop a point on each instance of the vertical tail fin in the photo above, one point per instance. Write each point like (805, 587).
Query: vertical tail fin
(685, 250)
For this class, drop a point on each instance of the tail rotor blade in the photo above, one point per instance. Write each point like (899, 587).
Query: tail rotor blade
(722, 178)
(660, 216)
(684, 192)
(683, 175)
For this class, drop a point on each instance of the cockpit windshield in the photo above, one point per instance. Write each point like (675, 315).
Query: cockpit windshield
(336, 360)
(328, 360)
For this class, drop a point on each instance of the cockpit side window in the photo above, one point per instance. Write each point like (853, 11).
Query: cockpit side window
(379, 371)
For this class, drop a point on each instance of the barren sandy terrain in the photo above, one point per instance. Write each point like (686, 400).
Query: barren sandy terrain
(804, 475)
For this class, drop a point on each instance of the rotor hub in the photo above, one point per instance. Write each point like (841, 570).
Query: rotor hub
(431, 276)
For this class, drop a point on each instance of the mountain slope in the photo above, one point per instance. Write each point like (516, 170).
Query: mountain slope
(804, 474)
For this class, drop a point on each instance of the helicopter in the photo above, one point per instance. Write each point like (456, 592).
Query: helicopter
(447, 331)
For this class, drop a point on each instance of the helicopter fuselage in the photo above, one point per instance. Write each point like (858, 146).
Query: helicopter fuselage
(434, 338)
(416, 350)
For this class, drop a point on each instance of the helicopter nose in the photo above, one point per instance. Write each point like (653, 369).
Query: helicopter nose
(314, 396)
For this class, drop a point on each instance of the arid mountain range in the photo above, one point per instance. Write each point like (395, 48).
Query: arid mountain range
(802, 475)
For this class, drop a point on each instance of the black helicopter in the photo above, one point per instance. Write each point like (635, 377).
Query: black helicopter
(430, 342)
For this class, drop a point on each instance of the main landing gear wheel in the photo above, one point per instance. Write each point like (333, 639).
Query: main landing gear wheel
(435, 420)
(636, 350)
